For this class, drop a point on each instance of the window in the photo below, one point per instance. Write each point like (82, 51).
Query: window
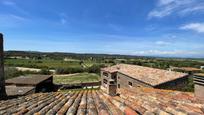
(113, 77)
(130, 83)
(105, 74)
(118, 77)
(139, 86)
(111, 82)
(118, 85)
(105, 81)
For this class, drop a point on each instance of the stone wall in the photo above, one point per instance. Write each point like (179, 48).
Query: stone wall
(177, 84)
(123, 82)
(199, 87)
(109, 88)
(2, 79)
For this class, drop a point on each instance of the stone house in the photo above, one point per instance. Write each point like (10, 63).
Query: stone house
(24, 85)
(128, 76)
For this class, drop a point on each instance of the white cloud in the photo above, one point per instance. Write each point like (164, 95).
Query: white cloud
(63, 18)
(172, 53)
(13, 5)
(162, 43)
(63, 21)
(9, 3)
(11, 20)
(180, 7)
(164, 2)
(198, 27)
(161, 13)
(115, 27)
(192, 9)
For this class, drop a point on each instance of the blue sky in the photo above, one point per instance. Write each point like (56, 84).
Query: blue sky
(131, 27)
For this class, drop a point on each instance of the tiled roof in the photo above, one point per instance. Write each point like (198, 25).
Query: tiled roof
(199, 74)
(148, 75)
(83, 102)
(17, 91)
(148, 100)
(189, 69)
(96, 102)
(28, 80)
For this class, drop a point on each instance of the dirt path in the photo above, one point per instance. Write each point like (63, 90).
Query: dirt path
(65, 75)
(31, 69)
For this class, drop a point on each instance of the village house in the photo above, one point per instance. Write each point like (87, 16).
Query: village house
(128, 76)
(24, 85)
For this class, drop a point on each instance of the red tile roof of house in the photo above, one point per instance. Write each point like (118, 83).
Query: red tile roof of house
(189, 69)
(28, 80)
(130, 102)
(148, 75)
(148, 100)
(199, 74)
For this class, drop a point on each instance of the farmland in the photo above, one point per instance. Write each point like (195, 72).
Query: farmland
(46, 63)
(86, 65)
(76, 78)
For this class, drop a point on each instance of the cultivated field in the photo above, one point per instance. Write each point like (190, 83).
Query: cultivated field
(46, 63)
(76, 78)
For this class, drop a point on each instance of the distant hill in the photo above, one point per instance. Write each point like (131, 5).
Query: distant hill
(62, 55)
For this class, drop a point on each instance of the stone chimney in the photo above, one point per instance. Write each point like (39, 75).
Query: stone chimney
(2, 79)
(199, 86)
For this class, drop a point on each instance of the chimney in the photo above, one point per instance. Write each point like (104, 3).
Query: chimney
(2, 79)
(199, 86)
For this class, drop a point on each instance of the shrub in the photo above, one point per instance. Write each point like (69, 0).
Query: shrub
(45, 72)
(95, 68)
(190, 85)
(69, 70)
(12, 72)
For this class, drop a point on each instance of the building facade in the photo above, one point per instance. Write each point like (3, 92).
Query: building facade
(129, 76)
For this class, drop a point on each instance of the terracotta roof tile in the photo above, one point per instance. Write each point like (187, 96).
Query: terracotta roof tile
(199, 74)
(148, 75)
(132, 102)
(90, 102)
(28, 80)
(152, 100)
(189, 69)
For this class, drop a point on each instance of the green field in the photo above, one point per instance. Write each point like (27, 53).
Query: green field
(78, 78)
(47, 63)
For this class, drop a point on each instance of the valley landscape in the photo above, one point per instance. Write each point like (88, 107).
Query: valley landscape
(101, 57)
